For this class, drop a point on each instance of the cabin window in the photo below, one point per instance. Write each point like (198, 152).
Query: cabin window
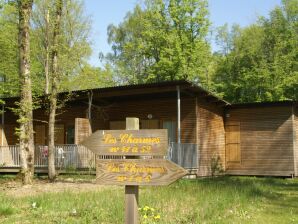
(171, 127)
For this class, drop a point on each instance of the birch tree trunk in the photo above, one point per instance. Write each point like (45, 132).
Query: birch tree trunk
(25, 112)
(54, 90)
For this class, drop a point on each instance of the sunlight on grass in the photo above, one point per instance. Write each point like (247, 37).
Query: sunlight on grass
(217, 200)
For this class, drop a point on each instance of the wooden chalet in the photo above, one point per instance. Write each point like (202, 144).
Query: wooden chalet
(262, 139)
(242, 139)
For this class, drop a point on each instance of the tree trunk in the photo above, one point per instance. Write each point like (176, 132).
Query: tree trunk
(54, 89)
(47, 44)
(25, 112)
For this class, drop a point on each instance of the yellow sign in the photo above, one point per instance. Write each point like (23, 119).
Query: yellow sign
(137, 171)
(128, 142)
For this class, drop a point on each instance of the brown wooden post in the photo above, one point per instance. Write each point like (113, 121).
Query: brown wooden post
(131, 192)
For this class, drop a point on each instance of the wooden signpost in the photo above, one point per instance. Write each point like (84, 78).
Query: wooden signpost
(153, 142)
(133, 171)
(138, 172)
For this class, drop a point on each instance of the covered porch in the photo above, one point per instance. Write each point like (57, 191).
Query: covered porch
(185, 110)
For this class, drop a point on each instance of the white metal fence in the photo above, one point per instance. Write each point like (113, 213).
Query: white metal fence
(184, 154)
(66, 157)
(79, 157)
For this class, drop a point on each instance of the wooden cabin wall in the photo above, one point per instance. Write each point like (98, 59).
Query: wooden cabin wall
(161, 110)
(9, 127)
(211, 137)
(295, 130)
(266, 140)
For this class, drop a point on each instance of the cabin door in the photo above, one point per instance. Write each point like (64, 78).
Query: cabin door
(233, 154)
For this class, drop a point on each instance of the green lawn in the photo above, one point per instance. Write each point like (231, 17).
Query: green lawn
(217, 200)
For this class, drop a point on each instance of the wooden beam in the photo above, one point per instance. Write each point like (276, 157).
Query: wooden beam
(132, 192)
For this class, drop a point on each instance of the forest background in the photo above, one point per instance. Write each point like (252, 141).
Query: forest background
(160, 40)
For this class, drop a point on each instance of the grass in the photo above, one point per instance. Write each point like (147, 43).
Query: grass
(212, 200)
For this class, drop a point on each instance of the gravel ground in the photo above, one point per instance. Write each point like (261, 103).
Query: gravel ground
(16, 189)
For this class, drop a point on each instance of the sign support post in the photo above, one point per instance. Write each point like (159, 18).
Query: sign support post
(132, 192)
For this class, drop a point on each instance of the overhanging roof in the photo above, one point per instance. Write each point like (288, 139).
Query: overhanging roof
(263, 104)
(168, 88)
(155, 90)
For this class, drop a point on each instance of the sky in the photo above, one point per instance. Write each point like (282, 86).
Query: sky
(105, 12)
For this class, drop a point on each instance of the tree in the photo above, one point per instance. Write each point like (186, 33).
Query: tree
(164, 41)
(25, 110)
(74, 44)
(9, 64)
(54, 82)
(261, 64)
(97, 78)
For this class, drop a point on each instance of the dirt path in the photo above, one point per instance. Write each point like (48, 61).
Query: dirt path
(15, 188)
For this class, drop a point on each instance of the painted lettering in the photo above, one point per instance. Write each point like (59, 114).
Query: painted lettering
(113, 168)
(134, 178)
(109, 139)
(129, 138)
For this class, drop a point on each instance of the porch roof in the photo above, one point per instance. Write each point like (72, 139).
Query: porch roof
(140, 91)
(151, 90)
(264, 104)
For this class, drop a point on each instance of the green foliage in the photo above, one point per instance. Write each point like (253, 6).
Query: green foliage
(90, 77)
(6, 211)
(259, 62)
(165, 40)
(8, 49)
(74, 45)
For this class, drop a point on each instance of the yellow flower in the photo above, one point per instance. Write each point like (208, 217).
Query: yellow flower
(157, 217)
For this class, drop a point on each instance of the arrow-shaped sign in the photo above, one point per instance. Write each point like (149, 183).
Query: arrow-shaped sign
(128, 142)
(138, 172)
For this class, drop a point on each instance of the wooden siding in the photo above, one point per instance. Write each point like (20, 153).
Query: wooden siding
(161, 110)
(295, 139)
(40, 134)
(3, 140)
(211, 137)
(266, 141)
(82, 129)
(10, 137)
(150, 124)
